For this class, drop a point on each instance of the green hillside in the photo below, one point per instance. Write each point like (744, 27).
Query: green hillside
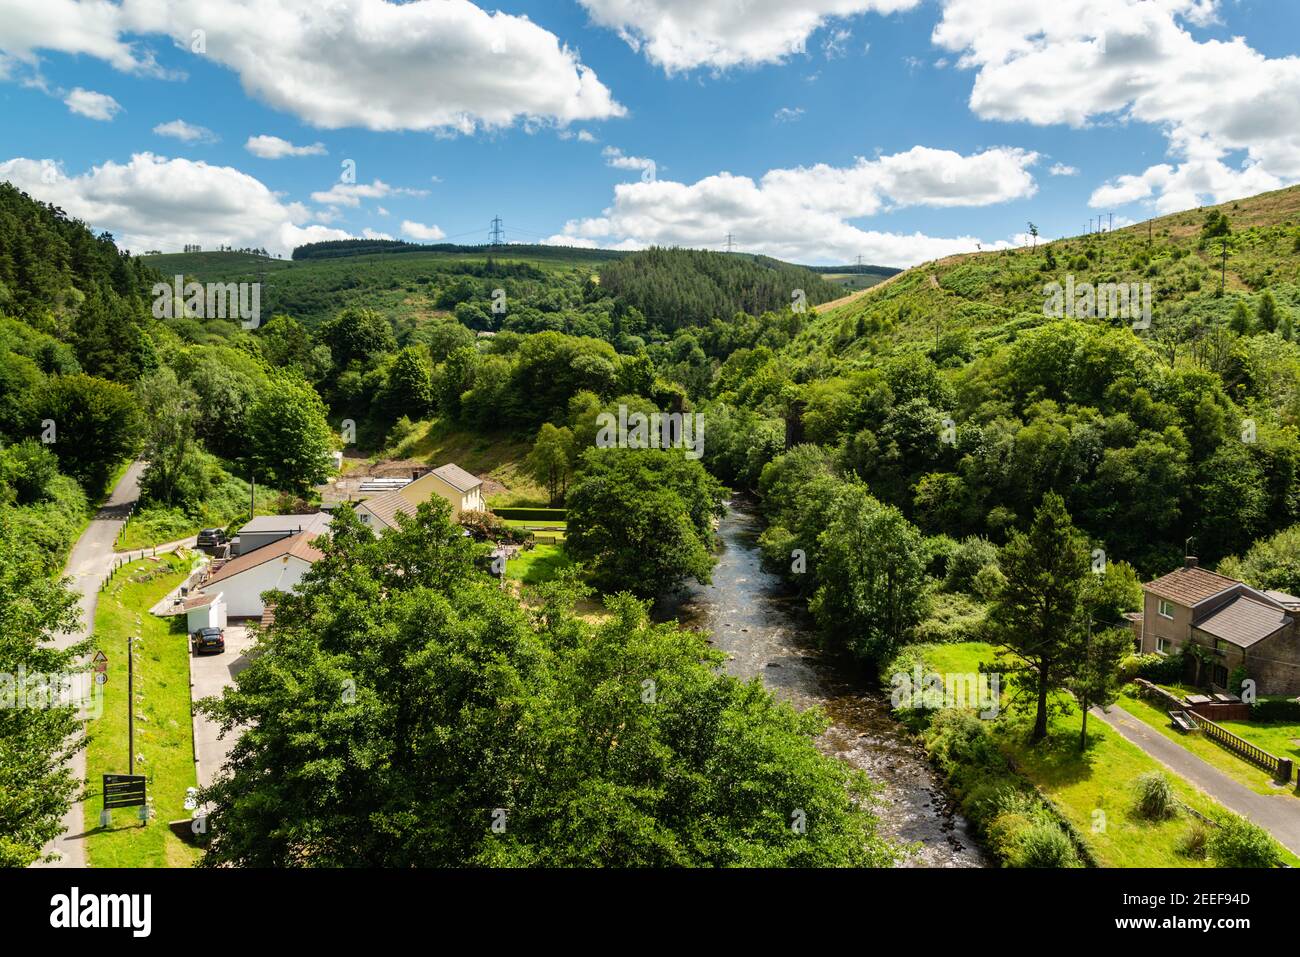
(579, 291)
(855, 277)
(974, 296)
(954, 396)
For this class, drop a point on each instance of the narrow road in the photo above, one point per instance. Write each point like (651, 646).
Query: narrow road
(89, 562)
(1279, 814)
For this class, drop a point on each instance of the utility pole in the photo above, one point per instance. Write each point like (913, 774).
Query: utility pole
(130, 705)
(730, 242)
(498, 235)
(1223, 268)
(1110, 227)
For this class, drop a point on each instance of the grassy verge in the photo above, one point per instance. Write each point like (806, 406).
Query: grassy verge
(540, 564)
(1101, 779)
(1091, 790)
(163, 735)
(157, 525)
(1267, 737)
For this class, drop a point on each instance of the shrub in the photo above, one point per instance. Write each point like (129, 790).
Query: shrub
(1238, 843)
(1044, 844)
(1159, 669)
(1194, 842)
(1025, 833)
(1155, 796)
(1236, 678)
(486, 527)
(1275, 709)
(958, 738)
(400, 431)
(988, 582)
(953, 617)
(970, 556)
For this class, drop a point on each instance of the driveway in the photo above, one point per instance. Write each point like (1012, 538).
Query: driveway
(1275, 813)
(208, 675)
(88, 564)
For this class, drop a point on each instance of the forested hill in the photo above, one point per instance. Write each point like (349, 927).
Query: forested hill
(971, 297)
(648, 295)
(340, 248)
(957, 399)
(674, 288)
(67, 283)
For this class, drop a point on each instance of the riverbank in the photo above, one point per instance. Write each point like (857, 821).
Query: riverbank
(766, 635)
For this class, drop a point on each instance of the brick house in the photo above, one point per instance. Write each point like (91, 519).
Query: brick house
(1237, 624)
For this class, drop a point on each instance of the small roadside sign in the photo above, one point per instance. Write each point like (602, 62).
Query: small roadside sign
(100, 661)
(101, 678)
(124, 790)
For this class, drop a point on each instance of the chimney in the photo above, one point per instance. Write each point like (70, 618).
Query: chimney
(1189, 561)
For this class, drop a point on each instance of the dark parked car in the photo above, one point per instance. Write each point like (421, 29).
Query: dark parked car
(212, 537)
(209, 639)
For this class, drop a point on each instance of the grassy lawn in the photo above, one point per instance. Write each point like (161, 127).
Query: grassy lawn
(1101, 778)
(1243, 772)
(959, 657)
(542, 530)
(162, 728)
(541, 564)
(1279, 738)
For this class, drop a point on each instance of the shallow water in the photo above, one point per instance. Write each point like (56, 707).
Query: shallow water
(766, 633)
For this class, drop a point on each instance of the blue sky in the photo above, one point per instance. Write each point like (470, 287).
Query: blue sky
(895, 130)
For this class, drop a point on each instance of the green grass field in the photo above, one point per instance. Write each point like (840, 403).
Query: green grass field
(1268, 737)
(163, 729)
(1099, 779)
(541, 564)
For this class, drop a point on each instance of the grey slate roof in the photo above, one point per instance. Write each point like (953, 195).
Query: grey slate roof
(457, 477)
(1244, 622)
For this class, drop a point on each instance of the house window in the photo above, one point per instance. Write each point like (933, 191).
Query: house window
(1166, 609)
(1220, 676)
(1163, 646)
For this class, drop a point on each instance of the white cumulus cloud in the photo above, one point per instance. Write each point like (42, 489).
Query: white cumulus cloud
(421, 232)
(273, 147)
(804, 214)
(96, 106)
(680, 35)
(153, 202)
(443, 65)
(351, 194)
(185, 132)
(1231, 113)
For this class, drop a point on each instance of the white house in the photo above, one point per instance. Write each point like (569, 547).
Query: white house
(266, 529)
(201, 610)
(461, 490)
(205, 610)
(278, 566)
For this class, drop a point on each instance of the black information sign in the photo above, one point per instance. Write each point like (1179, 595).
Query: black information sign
(124, 790)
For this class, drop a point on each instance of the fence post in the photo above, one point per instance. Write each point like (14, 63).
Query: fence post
(1284, 769)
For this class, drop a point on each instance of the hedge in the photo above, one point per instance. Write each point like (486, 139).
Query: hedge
(532, 514)
(1277, 709)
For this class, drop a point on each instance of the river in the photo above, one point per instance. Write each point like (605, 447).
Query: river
(766, 633)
